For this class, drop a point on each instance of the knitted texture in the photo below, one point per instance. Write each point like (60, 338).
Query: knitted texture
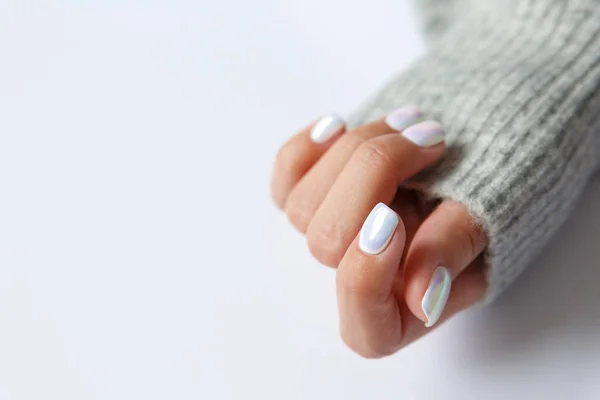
(516, 85)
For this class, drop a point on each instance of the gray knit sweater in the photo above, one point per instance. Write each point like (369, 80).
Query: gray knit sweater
(516, 84)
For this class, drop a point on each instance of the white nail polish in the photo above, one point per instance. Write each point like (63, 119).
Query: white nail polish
(403, 117)
(378, 229)
(436, 296)
(425, 134)
(325, 128)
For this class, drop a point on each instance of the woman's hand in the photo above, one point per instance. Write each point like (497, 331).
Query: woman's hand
(410, 264)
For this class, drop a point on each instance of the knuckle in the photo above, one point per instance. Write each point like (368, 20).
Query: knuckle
(373, 154)
(364, 132)
(349, 142)
(356, 281)
(296, 213)
(277, 196)
(325, 244)
(364, 347)
(288, 159)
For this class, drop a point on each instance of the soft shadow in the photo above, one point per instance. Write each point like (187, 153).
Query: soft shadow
(558, 295)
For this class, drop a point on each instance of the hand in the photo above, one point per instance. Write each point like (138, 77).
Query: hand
(395, 274)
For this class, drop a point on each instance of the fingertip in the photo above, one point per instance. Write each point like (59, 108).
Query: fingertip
(415, 286)
(444, 245)
(426, 134)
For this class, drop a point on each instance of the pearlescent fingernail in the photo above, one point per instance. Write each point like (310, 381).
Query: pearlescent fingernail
(403, 117)
(378, 229)
(425, 134)
(436, 296)
(325, 128)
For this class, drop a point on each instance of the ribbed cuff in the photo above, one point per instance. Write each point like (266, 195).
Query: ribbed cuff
(517, 90)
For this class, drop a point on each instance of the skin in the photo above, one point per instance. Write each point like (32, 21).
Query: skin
(327, 190)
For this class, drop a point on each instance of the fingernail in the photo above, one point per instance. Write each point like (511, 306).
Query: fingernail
(403, 117)
(425, 134)
(436, 296)
(378, 229)
(325, 128)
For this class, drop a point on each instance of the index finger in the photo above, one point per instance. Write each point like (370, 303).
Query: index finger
(374, 318)
(370, 319)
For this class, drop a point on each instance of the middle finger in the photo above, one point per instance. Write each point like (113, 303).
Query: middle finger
(311, 190)
(371, 176)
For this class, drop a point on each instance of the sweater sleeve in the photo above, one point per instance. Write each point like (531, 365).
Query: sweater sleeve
(516, 84)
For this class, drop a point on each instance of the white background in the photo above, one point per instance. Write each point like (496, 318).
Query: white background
(141, 257)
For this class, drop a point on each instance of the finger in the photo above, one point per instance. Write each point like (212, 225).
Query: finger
(300, 153)
(308, 194)
(371, 176)
(444, 245)
(370, 319)
(374, 320)
(467, 290)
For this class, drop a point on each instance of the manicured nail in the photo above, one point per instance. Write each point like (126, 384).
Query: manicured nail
(425, 134)
(325, 128)
(404, 117)
(378, 229)
(436, 296)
